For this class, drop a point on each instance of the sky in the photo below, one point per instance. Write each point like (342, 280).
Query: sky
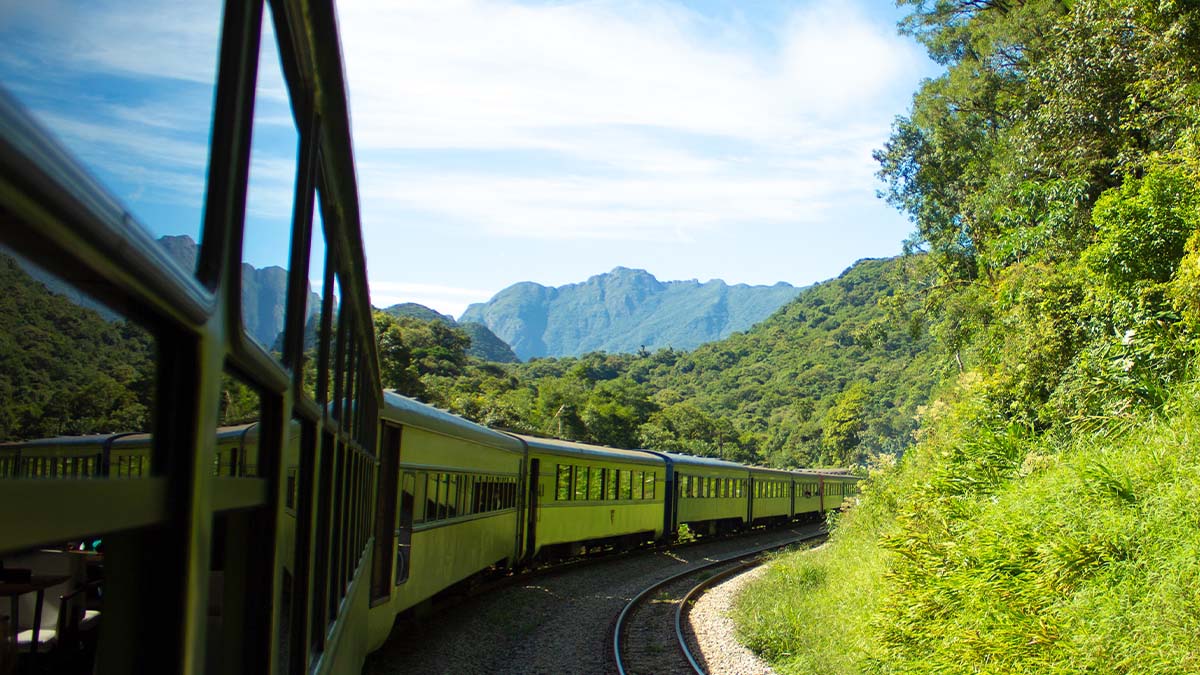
(501, 141)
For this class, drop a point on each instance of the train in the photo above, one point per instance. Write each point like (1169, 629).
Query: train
(464, 499)
(291, 543)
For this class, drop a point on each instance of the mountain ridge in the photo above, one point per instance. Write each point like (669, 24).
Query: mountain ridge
(624, 310)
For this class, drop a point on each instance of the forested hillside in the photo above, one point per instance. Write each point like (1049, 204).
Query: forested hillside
(832, 377)
(484, 345)
(1042, 522)
(67, 369)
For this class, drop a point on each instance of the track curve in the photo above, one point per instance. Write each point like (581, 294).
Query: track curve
(732, 564)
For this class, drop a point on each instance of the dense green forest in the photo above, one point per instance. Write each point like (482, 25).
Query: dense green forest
(67, 369)
(1044, 520)
(834, 376)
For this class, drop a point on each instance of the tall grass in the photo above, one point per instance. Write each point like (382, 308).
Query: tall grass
(990, 550)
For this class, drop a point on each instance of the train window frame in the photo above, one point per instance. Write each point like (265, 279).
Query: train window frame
(638, 485)
(651, 481)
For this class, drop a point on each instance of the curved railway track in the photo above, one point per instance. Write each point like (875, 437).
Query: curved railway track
(648, 637)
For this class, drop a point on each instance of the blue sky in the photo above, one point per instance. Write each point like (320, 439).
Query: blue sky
(507, 141)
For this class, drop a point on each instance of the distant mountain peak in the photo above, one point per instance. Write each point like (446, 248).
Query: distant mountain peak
(622, 311)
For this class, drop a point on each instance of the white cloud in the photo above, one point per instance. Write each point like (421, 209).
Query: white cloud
(657, 121)
(445, 299)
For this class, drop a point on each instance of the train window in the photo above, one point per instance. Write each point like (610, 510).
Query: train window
(611, 478)
(466, 496)
(443, 495)
(562, 482)
(452, 495)
(78, 369)
(274, 149)
(638, 488)
(313, 307)
(488, 495)
(419, 497)
(649, 491)
(626, 485)
(595, 483)
(581, 479)
(132, 100)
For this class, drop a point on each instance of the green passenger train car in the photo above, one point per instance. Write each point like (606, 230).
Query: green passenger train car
(771, 495)
(585, 495)
(450, 495)
(711, 495)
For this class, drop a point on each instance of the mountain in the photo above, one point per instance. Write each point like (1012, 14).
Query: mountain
(484, 343)
(623, 311)
(419, 312)
(264, 291)
(829, 376)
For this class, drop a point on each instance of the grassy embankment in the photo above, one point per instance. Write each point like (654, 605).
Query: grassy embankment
(988, 551)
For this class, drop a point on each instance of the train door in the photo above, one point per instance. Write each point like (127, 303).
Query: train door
(385, 515)
(533, 502)
(404, 526)
(751, 486)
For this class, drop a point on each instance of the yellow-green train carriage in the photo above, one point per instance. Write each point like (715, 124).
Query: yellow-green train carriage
(451, 490)
(770, 494)
(709, 495)
(585, 495)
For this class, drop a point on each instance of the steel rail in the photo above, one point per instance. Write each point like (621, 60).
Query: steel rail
(618, 629)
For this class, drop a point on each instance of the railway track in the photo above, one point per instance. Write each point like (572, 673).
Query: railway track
(556, 621)
(649, 637)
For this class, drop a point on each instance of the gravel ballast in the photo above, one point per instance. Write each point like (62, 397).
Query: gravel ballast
(557, 623)
(713, 635)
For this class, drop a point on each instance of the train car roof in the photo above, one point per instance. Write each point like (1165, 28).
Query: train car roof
(90, 439)
(692, 460)
(769, 470)
(574, 449)
(414, 413)
(828, 473)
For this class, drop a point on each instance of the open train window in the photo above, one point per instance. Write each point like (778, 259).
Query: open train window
(562, 482)
(649, 490)
(626, 484)
(595, 483)
(580, 478)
